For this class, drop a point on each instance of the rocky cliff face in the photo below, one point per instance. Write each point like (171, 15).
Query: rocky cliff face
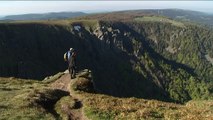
(122, 57)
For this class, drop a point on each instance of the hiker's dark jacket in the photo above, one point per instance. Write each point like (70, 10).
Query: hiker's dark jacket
(72, 61)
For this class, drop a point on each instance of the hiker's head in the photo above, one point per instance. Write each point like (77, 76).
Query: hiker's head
(71, 49)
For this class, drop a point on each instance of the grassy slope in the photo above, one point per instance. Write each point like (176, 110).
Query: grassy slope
(19, 100)
(107, 107)
(160, 19)
(15, 99)
(99, 106)
(53, 22)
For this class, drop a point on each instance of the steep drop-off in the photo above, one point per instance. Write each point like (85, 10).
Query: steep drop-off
(123, 61)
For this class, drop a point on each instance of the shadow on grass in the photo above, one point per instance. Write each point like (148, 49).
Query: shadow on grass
(49, 98)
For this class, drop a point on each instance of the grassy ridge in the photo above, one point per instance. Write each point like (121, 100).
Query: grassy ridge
(110, 108)
(65, 22)
(29, 99)
(104, 107)
(23, 99)
(15, 99)
(160, 20)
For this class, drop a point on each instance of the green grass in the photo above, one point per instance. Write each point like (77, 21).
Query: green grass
(28, 99)
(106, 107)
(19, 99)
(66, 22)
(88, 24)
(63, 105)
(16, 101)
(159, 19)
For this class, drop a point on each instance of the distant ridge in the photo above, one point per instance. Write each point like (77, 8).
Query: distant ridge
(45, 16)
(176, 14)
(181, 14)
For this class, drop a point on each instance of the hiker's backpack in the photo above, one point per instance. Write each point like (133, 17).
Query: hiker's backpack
(65, 56)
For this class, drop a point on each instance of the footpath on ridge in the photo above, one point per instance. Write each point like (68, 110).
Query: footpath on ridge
(64, 83)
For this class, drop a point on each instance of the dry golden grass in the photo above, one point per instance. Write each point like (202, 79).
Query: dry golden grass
(104, 107)
(19, 99)
(160, 19)
(99, 106)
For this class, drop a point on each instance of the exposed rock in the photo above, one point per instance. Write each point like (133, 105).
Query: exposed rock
(209, 58)
(84, 81)
(77, 27)
(171, 50)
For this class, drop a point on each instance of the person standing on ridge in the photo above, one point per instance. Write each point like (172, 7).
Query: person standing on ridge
(70, 57)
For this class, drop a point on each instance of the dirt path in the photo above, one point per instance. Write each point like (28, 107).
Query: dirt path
(64, 83)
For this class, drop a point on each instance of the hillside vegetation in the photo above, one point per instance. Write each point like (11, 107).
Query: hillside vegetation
(19, 99)
(160, 20)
